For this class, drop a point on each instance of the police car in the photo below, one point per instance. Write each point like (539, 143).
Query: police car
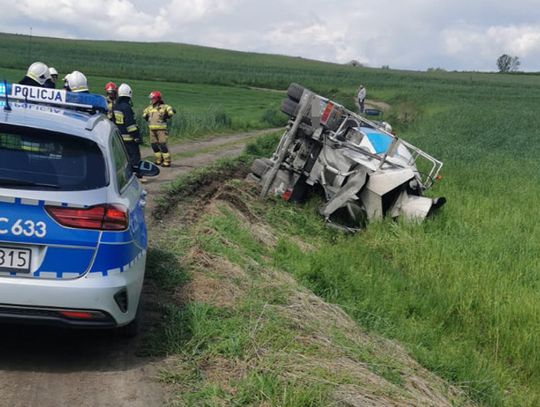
(73, 237)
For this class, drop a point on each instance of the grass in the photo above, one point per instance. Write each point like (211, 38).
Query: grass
(246, 335)
(461, 289)
(201, 109)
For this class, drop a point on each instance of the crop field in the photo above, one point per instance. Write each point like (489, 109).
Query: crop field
(460, 291)
(201, 108)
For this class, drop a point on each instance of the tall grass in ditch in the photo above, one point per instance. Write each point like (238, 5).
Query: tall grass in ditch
(461, 290)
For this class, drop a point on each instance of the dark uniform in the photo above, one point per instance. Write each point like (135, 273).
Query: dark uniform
(49, 83)
(31, 82)
(124, 118)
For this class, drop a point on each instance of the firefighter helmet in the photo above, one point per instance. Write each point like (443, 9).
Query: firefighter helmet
(111, 87)
(155, 96)
(124, 90)
(76, 82)
(53, 72)
(39, 72)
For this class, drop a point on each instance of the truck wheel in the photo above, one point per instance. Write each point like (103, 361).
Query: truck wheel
(260, 166)
(295, 92)
(289, 107)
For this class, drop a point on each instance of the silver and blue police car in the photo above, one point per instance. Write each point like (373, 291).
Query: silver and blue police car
(73, 237)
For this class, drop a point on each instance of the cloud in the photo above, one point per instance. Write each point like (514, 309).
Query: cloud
(191, 11)
(482, 46)
(101, 19)
(412, 34)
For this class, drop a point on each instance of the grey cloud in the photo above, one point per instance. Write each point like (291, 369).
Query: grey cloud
(412, 34)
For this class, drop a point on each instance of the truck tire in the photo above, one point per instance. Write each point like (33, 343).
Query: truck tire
(290, 107)
(295, 92)
(260, 166)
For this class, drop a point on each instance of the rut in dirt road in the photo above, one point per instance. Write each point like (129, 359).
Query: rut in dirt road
(49, 367)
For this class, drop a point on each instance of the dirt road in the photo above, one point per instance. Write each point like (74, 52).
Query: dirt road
(197, 154)
(55, 368)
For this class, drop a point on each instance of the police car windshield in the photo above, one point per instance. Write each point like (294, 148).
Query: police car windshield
(42, 160)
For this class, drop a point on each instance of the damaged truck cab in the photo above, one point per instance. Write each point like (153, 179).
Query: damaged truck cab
(363, 171)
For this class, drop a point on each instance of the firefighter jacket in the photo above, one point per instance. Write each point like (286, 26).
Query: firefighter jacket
(32, 82)
(157, 116)
(124, 118)
(110, 104)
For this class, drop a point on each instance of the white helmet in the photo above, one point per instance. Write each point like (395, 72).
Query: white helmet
(39, 72)
(124, 90)
(66, 80)
(77, 82)
(53, 71)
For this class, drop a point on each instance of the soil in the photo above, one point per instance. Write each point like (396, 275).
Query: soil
(51, 367)
(232, 146)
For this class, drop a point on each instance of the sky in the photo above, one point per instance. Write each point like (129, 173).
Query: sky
(407, 34)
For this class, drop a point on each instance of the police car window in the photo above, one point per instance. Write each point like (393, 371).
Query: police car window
(43, 160)
(123, 170)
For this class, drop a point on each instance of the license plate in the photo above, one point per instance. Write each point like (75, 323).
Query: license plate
(12, 259)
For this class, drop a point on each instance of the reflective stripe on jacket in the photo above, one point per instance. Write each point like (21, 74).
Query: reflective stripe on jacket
(110, 104)
(157, 116)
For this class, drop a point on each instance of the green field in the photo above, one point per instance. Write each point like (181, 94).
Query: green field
(460, 291)
(201, 108)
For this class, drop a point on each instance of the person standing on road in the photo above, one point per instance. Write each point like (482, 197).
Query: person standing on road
(157, 115)
(112, 93)
(361, 97)
(124, 118)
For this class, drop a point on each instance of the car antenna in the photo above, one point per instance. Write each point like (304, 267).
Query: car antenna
(7, 107)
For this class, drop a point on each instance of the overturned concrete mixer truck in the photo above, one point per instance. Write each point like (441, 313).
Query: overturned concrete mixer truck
(361, 169)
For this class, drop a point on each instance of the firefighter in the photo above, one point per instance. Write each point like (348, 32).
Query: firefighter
(51, 83)
(124, 118)
(112, 93)
(37, 75)
(157, 115)
(76, 82)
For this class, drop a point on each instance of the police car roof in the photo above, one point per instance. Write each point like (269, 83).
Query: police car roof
(51, 109)
(53, 118)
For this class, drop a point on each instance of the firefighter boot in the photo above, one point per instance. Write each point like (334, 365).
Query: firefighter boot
(166, 160)
(159, 158)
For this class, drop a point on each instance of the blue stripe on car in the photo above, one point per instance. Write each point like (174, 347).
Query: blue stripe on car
(380, 142)
(114, 256)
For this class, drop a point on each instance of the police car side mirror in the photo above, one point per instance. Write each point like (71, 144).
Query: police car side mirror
(146, 169)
